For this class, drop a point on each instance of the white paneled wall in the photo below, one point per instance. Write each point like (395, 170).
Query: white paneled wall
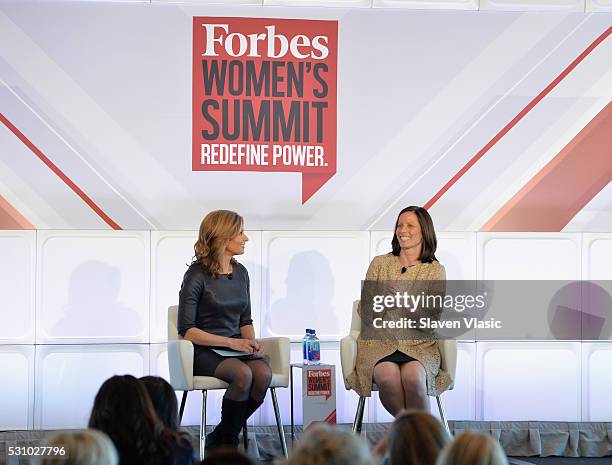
(460, 403)
(308, 279)
(68, 376)
(532, 256)
(596, 381)
(597, 300)
(92, 287)
(17, 278)
(543, 379)
(171, 253)
(17, 386)
(81, 296)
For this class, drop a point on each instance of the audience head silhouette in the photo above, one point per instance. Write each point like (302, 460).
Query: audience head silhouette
(416, 438)
(326, 445)
(87, 447)
(123, 410)
(473, 449)
(164, 400)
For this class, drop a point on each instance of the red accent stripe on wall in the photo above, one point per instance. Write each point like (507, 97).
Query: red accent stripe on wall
(565, 185)
(517, 118)
(76, 189)
(11, 218)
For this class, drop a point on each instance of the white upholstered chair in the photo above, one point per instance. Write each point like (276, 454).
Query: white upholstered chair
(180, 362)
(348, 358)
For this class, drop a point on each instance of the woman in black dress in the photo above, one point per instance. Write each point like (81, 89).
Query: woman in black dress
(215, 312)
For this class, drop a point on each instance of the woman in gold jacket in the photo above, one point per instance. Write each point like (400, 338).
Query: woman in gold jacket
(405, 371)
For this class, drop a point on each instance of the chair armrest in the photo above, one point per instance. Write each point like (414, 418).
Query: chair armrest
(180, 363)
(279, 351)
(348, 357)
(448, 358)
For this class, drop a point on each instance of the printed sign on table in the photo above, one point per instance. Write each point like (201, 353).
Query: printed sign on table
(319, 394)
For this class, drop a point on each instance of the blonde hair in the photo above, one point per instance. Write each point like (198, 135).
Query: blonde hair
(216, 229)
(473, 449)
(86, 447)
(416, 438)
(324, 445)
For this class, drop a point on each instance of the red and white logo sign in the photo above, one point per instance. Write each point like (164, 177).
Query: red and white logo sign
(264, 97)
(319, 383)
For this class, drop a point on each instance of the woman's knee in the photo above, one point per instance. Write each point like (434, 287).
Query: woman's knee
(386, 377)
(414, 378)
(242, 378)
(262, 373)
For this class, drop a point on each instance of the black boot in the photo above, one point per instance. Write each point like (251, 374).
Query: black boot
(227, 431)
(252, 406)
(213, 439)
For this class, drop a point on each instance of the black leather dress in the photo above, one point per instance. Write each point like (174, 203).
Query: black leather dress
(218, 306)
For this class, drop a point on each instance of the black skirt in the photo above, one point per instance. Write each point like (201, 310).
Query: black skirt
(397, 357)
(205, 361)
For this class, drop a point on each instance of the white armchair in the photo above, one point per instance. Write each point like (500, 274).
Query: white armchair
(180, 362)
(348, 358)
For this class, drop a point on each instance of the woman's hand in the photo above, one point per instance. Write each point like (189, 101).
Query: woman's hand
(243, 345)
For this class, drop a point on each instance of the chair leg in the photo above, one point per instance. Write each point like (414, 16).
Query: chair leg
(442, 415)
(359, 415)
(279, 423)
(245, 436)
(182, 409)
(203, 425)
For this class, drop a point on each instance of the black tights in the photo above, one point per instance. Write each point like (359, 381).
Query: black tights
(246, 378)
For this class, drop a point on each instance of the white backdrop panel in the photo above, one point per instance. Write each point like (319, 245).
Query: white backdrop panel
(171, 252)
(597, 251)
(597, 302)
(17, 387)
(193, 406)
(72, 375)
(457, 252)
(535, 375)
(18, 252)
(529, 256)
(93, 286)
(310, 280)
(597, 381)
(460, 402)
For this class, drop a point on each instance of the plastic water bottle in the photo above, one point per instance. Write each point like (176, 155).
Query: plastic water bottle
(314, 349)
(306, 346)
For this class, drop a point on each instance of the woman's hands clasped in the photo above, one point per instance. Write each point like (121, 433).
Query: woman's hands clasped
(249, 346)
